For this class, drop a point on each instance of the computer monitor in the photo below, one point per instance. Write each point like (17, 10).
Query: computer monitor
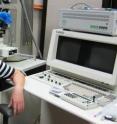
(84, 55)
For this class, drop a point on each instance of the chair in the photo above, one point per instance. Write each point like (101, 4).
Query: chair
(4, 109)
(6, 112)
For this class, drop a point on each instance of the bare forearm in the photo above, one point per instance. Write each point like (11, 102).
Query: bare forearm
(17, 97)
(18, 79)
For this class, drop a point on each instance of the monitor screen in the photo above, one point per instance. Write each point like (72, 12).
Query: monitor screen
(94, 55)
(86, 56)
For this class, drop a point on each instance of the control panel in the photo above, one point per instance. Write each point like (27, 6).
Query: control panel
(74, 91)
(51, 78)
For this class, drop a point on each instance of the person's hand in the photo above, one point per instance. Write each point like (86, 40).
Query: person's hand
(17, 97)
(17, 100)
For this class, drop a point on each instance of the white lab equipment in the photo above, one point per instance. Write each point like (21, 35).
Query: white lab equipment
(85, 65)
(94, 20)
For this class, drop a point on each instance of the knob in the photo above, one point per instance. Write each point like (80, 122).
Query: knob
(45, 74)
(51, 80)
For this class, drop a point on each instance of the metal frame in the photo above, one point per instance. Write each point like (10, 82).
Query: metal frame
(43, 26)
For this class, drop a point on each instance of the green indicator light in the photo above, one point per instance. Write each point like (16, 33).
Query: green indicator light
(93, 27)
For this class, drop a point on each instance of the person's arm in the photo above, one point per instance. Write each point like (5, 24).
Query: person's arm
(17, 97)
(5, 70)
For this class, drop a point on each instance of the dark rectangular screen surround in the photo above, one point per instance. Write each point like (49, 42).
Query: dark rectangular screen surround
(94, 55)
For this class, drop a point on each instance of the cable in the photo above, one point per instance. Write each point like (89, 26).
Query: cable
(83, 6)
(28, 22)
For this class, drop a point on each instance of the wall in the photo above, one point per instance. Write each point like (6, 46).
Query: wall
(52, 15)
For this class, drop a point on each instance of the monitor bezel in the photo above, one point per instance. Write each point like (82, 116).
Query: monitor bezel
(78, 70)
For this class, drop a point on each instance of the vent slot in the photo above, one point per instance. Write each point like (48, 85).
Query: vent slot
(86, 16)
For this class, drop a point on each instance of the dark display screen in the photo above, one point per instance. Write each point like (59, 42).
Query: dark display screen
(94, 55)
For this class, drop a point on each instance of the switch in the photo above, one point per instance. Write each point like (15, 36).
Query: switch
(93, 98)
(110, 117)
(41, 77)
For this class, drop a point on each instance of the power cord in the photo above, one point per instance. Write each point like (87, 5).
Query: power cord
(81, 6)
(28, 22)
